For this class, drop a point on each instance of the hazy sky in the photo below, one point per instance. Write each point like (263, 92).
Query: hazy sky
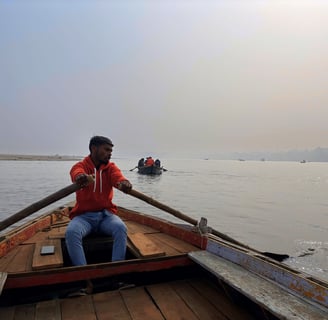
(169, 77)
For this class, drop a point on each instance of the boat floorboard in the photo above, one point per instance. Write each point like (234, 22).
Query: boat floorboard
(184, 299)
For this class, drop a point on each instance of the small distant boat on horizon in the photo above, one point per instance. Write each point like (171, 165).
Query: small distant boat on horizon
(303, 161)
(149, 166)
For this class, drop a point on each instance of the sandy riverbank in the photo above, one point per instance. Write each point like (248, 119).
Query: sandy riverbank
(26, 157)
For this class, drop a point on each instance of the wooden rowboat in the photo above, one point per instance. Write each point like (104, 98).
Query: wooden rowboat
(178, 271)
(150, 170)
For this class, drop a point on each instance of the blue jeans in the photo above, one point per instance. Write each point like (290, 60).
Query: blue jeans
(102, 222)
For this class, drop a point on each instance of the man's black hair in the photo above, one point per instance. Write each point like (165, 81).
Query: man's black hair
(98, 141)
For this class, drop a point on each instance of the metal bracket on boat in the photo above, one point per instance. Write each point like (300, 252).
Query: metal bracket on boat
(202, 227)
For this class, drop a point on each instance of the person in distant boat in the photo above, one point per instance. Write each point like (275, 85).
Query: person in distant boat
(149, 161)
(141, 162)
(94, 211)
(157, 163)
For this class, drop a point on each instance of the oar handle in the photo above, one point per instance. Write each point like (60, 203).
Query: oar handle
(162, 206)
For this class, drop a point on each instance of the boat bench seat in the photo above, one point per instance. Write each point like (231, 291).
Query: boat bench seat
(48, 260)
(267, 294)
(138, 243)
(143, 247)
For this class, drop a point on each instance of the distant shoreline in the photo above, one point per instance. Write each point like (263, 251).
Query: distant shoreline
(26, 157)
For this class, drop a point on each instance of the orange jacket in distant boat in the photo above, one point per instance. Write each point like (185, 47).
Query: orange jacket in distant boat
(96, 196)
(149, 161)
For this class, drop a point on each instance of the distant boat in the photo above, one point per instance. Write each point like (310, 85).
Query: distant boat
(150, 170)
(303, 161)
(149, 166)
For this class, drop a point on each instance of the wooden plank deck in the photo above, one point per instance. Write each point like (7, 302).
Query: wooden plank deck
(186, 299)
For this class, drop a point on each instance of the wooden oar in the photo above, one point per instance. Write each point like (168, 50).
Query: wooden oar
(38, 205)
(180, 215)
(62, 193)
(134, 168)
(162, 206)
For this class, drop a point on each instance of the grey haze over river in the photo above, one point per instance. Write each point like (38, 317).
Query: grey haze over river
(280, 207)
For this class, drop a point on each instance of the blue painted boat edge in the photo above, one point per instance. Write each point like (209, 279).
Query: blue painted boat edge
(300, 284)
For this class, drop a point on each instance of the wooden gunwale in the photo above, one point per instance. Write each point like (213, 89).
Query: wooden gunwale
(12, 241)
(263, 292)
(293, 281)
(166, 227)
(15, 237)
(72, 274)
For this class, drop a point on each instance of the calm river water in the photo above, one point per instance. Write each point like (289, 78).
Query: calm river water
(280, 207)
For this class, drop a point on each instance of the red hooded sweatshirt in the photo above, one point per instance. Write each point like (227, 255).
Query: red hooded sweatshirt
(98, 195)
